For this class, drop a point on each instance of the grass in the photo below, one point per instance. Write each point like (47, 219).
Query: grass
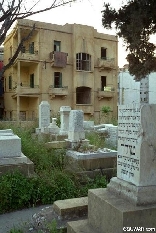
(52, 180)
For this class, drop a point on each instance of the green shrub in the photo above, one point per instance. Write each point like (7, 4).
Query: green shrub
(15, 230)
(51, 181)
(15, 191)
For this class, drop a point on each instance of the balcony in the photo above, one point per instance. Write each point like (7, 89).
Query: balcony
(26, 90)
(106, 63)
(27, 55)
(58, 91)
(107, 92)
(58, 59)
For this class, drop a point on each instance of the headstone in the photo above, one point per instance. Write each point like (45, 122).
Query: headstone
(76, 130)
(64, 117)
(76, 133)
(136, 159)
(44, 115)
(53, 128)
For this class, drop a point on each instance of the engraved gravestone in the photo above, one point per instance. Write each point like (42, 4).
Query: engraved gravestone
(136, 162)
(76, 130)
(44, 114)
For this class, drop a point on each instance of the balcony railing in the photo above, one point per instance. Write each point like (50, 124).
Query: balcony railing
(26, 54)
(106, 92)
(26, 90)
(58, 91)
(106, 63)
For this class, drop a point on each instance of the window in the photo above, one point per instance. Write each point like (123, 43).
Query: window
(83, 61)
(10, 82)
(103, 82)
(31, 48)
(83, 95)
(57, 80)
(57, 46)
(32, 80)
(103, 53)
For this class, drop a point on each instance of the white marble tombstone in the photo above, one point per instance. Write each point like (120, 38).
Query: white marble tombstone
(44, 115)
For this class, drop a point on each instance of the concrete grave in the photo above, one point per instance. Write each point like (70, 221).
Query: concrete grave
(10, 144)
(11, 157)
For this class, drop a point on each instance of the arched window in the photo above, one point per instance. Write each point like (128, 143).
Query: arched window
(83, 95)
(83, 61)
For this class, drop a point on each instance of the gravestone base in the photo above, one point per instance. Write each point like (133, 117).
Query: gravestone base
(108, 212)
(137, 195)
(112, 213)
(22, 164)
(13, 160)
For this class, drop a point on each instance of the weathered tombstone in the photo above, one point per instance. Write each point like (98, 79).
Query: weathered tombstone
(44, 115)
(76, 133)
(64, 117)
(76, 130)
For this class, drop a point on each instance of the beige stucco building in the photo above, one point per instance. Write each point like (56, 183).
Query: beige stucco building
(70, 65)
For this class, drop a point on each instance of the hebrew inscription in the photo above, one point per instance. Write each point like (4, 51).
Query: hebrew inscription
(129, 142)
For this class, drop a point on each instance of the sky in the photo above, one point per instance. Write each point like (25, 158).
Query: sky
(86, 12)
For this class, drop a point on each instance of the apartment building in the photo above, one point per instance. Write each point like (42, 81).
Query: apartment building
(70, 65)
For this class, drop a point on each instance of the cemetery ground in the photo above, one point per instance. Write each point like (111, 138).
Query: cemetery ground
(54, 178)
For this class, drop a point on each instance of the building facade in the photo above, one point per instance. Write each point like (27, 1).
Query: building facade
(128, 88)
(131, 91)
(70, 65)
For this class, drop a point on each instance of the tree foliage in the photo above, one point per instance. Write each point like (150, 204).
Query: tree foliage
(12, 10)
(135, 22)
